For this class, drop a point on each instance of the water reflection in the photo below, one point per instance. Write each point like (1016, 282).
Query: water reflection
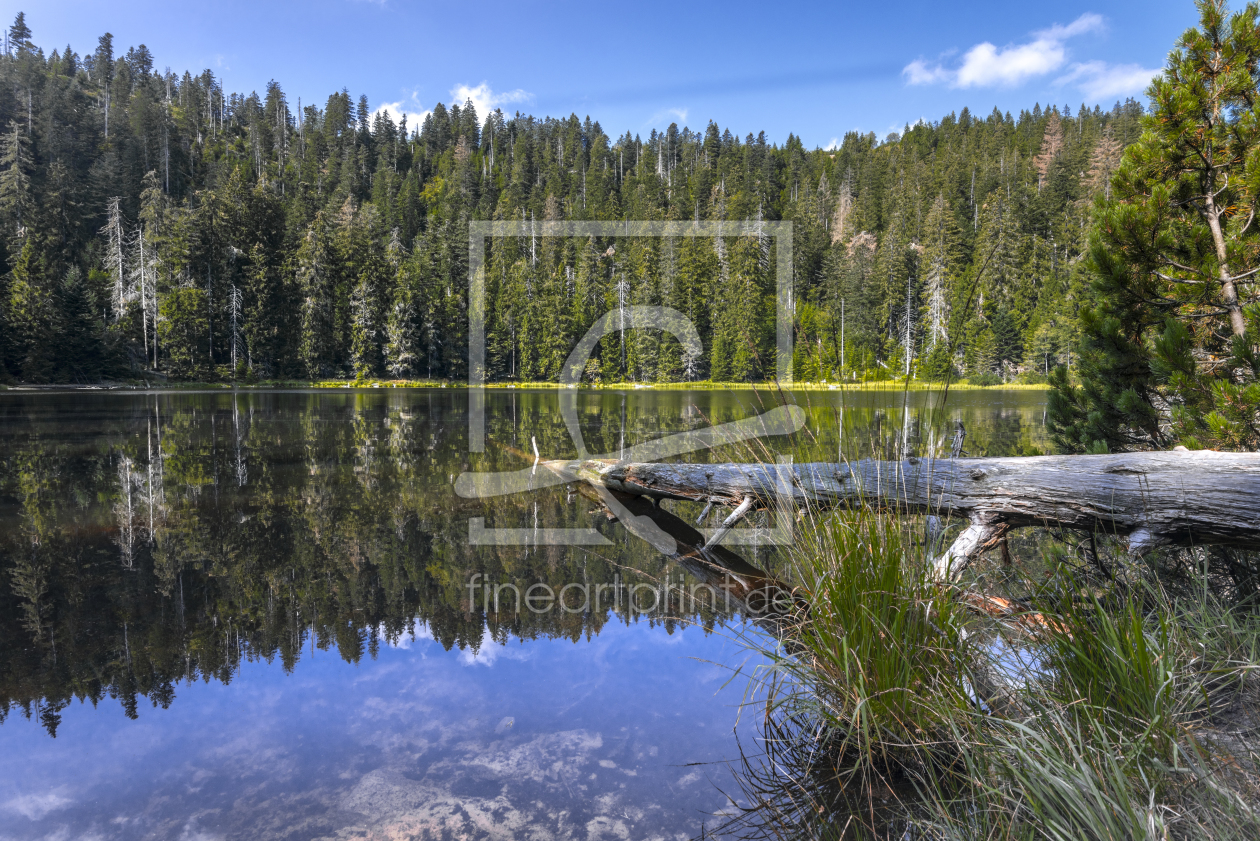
(164, 546)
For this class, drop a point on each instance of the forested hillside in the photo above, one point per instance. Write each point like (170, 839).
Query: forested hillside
(152, 221)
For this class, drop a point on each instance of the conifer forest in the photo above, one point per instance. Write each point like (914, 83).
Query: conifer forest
(154, 224)
(903, 488)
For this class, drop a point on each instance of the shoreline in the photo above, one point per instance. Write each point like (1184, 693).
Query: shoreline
(269, 385)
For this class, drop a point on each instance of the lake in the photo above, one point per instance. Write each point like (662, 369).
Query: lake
(248, 614)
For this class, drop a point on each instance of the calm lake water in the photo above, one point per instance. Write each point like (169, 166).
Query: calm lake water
(247, 615)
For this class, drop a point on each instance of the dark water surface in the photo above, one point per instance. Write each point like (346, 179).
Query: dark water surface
(247, 615)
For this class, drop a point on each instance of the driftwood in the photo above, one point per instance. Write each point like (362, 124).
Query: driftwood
(1154, 499)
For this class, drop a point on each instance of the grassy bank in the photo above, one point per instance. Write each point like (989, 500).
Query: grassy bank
(868, 385)
(1128, 706)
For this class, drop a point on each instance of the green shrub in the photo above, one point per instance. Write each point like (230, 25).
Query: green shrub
(985, 379)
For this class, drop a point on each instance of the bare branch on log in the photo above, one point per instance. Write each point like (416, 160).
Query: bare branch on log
(983, 533)
(730, 522)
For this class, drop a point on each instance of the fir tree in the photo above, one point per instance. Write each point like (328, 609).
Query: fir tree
(82, 352)
(316, 278)
(20, 34)
(403, 326)
(940, 262)
(16, 201)
(32, 314)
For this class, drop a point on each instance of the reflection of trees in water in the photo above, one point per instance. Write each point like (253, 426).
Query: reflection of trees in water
(141, 495)
(145, 541)
(125, 512)
(240, 465)
(263, 534)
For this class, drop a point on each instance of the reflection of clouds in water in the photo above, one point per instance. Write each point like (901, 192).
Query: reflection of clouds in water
(667, 639)
(490, 650)
(65, 834)
(419, 632)
(35, 806)
(550, 759)
(409, 747)
(555, 785)
(192, 833)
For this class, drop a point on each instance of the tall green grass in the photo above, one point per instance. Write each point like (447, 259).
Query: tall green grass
(1121, 668)
(867, 689)
(881, 647)
(881, 717)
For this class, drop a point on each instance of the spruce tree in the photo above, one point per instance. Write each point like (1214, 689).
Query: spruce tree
(403, 351)
(20, 34)
(81, 350)
(316, 278)
(16, 202)
(32, 314)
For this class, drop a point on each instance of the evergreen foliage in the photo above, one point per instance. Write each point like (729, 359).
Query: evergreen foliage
(1169, 346)
(218, 235)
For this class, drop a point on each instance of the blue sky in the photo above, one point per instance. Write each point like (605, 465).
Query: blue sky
(815, 69)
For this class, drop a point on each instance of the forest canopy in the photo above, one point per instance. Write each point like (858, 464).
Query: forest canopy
(153, 223)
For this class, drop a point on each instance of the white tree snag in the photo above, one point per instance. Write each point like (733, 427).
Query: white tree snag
(983, 533)
(1154, 499)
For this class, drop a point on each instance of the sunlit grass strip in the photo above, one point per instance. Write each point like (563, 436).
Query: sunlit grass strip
(704, 385)
(889, 385)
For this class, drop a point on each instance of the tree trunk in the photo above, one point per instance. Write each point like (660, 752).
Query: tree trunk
(1154, 499)
(1229, 291)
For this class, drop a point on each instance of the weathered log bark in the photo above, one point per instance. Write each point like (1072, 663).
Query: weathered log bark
(1154, 499)
(769, 602)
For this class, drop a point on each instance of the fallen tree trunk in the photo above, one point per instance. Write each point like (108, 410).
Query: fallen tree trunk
(769, 602)
(1154, 499)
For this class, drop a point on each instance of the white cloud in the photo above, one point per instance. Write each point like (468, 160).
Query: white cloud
(410, 107)
(486, 100)
(1088, 22)
(670, 114)
(832, 145)
(919, 72)
(35, 806)
(1102, 81)
(986, 65)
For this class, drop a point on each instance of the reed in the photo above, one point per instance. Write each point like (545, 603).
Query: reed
(887, 712)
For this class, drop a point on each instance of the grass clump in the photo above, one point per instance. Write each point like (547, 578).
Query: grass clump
(866, 691)
(880, 648)
(1121, 668)
(889, 711)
